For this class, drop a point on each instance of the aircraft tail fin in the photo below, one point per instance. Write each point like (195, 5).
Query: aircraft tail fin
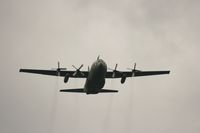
(78, 90)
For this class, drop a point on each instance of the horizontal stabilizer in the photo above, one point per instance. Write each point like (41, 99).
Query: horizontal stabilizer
(81, 90)
(107, 91)
(78, 90)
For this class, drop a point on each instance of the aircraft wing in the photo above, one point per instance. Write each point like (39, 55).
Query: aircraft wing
(81, 74)
(135, 73)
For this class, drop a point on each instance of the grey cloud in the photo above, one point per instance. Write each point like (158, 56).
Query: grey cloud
(157, 34)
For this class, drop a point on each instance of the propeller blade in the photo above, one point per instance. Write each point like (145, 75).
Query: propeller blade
(134, 66)
(74, 67)
(58, 68)
(58, 73)
(82, 73)
(58, 64)
(77, 68)
(77, 72)
(133, 69)
(116, 67)
(80, 67)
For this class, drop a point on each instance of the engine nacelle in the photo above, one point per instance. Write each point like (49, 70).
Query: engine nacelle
(123, 79)
(66, 78)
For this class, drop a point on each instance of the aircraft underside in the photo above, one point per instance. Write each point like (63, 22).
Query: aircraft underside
(95, 77)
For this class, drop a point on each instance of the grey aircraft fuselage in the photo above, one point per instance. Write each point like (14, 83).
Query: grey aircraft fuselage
(96, 78)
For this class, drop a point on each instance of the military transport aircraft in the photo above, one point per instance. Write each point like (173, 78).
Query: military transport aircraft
(95, 77)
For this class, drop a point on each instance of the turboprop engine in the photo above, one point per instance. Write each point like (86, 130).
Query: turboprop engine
(123, 79)
(66, 78)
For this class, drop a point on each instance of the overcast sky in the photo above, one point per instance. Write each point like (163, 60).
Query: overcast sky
(157, 34)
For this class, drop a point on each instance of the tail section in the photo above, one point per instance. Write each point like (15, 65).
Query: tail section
(81, 90)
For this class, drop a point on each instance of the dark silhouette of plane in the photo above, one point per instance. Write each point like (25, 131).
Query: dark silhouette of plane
(95, 77)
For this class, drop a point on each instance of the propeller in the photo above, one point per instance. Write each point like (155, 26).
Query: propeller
(58, 69)
(114, 71)
(77, 72)
(133, 70)
(98, 57)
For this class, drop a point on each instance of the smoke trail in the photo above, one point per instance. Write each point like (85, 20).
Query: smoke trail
(76, 106)
(129, 120)
(54, 107)
(106, 124)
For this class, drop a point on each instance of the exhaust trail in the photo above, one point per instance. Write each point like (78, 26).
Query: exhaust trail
(76, 108)
(53, 112)
(129, 116)
(106, 122)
